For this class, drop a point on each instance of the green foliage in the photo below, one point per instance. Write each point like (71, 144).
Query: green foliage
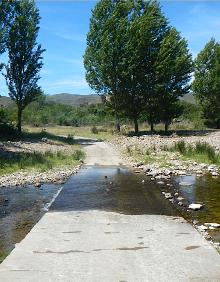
(41, 113)
(94, 130)
(201, 151)
(180, 146)
(135, 57)
(173, 72)
(40, 161)
(25, 56)
(104, 59)
(206, 86)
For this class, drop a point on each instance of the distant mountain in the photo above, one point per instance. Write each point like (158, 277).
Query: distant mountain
(74, 99)
(62, 98)
(5, 101)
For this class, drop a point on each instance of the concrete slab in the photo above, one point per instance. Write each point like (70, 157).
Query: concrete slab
(106, 246)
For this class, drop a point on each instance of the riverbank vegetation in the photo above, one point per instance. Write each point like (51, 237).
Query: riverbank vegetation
(200, 151)
(39, 161)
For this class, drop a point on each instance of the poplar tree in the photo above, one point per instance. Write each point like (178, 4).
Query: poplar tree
(25, 56)
(173, 72)
(104, 58)
(206, 85)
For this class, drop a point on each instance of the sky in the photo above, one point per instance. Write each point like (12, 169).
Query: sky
(63, 29)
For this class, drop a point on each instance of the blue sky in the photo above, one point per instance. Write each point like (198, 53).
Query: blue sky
(64, 26)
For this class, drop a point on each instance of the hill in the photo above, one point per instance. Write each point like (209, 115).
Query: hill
(5, 101)
(62, 98)
(74, 99)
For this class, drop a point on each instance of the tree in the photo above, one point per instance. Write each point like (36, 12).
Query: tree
(206, 85)
(147, 28)
(6, 13)
(25, 56)
(173, 72)
(104, 59)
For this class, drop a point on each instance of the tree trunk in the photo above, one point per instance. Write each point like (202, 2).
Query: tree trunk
(19, 115)
(151, 126)
(117, 123)
(166, 126)
(136, 129)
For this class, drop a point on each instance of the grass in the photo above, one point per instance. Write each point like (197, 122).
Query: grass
(11, 162)
(83, 131)
(201, 152)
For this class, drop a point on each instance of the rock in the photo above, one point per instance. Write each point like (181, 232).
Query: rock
(214, 225)
(195, 222)
(195, 207)
(180, 199)
(214, 173)
(160, 182)
(185, 184)
(106, 176)
(216, 244)
(37, 184)
(168, 196)
(202, 227)
(180, 204)
(181, 172)
(176, 194)
(143, 181)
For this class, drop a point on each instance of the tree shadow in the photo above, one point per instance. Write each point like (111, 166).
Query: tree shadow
(173, 133)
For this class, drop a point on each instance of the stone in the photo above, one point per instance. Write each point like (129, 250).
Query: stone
(214, 173)
(202, 227)
(185, 184)
(180, 199)
(37, 184)
(212, 224)
(195, 222)
(160, 182)
(195, 207)
(168, 196)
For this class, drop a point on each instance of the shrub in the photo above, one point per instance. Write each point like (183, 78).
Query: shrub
(94, 130)
(180, 146)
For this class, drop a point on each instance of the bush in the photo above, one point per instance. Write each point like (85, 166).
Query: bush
(204, 148)
(8, 131)
(180, 146)
(94, 130)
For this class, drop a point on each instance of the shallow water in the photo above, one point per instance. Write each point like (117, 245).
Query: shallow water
(20, 209)
(112, 189)
(205, 190)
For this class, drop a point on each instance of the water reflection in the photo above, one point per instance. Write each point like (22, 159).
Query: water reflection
(205, 190)
(20, 209)
(112, 189)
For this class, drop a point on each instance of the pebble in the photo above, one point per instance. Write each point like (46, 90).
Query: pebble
(185, 184)
(195, 207)
(168, 196)
(212, 224)
(202, 227)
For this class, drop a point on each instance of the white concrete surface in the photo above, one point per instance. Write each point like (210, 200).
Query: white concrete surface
(97, 246)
